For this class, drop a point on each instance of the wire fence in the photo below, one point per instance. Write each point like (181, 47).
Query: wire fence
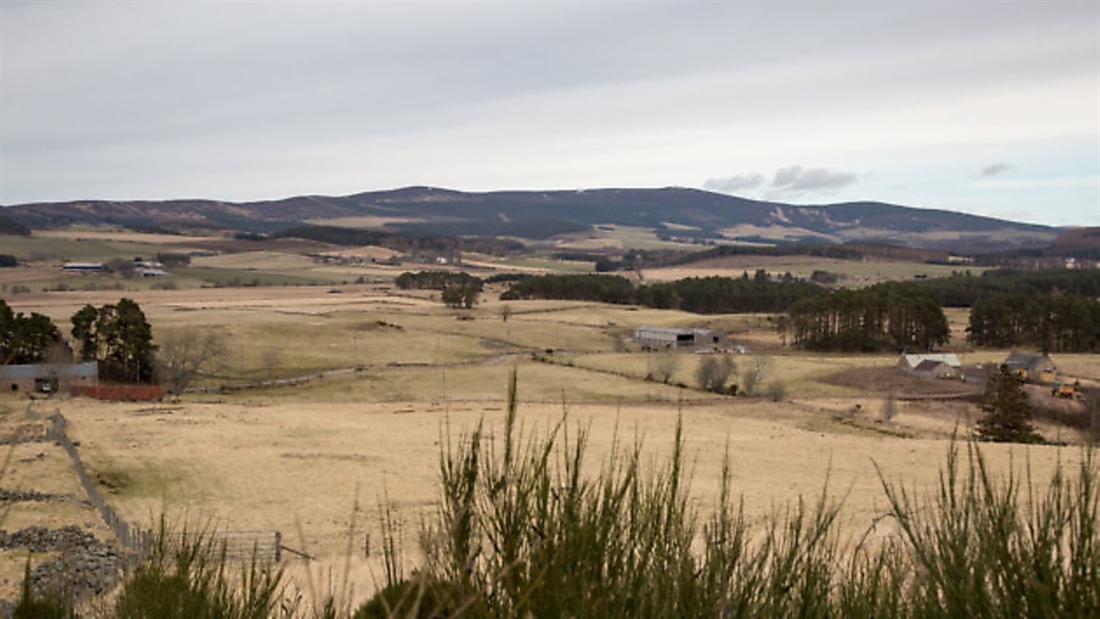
(237, 545)
(122, 530)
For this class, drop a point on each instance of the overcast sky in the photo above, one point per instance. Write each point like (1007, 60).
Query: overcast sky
(984, 107)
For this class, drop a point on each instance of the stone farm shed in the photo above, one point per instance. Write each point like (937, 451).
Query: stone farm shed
(1032, 367)
(48, 377)
(680, 338)
(944, 365)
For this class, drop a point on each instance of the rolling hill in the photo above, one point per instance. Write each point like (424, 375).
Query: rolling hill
(670, 212)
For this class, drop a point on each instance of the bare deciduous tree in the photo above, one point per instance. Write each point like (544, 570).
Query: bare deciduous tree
(714, 371)
(184, 353)
(663, 365)
(752, 380)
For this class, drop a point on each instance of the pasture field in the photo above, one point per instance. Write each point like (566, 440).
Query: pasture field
(852, 273)
(389, 375)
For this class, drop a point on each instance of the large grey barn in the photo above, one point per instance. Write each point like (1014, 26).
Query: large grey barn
(680, 338)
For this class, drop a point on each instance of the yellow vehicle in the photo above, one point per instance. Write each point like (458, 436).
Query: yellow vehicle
(1063, 390)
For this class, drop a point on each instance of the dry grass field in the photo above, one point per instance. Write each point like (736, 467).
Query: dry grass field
(852, 273)
(315, 460)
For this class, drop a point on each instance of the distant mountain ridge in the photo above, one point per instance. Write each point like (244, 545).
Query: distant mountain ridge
(672, 212)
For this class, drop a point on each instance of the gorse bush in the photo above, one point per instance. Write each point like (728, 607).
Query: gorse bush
(187, 576)
(522, 532)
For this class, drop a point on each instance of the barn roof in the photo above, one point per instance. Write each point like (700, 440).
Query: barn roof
(915, 360)
(47, 370)
(1026, 360)
(928, 365)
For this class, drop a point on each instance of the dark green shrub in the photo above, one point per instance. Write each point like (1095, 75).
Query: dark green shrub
(1007, 411)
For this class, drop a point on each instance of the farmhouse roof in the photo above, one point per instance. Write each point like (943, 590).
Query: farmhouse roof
(1026, 360)
(664, 330)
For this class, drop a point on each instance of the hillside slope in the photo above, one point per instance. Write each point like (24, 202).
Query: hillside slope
(671, 211)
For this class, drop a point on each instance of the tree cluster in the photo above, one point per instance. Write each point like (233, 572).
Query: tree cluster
(435, 280)
(890, 316)
(602, 263)
(460, 290)
(174, 260)
(405, 242)
(706, 295)
(724, 295)
(25, 339)
(1052, 323)
(837, 252)
(964, 289)
(117, 337)
(601, 288)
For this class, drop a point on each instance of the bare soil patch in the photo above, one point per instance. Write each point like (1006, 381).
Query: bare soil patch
(887, 380)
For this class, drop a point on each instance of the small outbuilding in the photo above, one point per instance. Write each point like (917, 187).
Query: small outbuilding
(942, 365)
(48, 378)
(1032, 367)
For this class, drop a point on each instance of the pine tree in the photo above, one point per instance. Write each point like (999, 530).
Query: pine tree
(1007, 412)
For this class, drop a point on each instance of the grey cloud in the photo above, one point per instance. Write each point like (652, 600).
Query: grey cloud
(797, 178)
(731, 184)
(995, 169)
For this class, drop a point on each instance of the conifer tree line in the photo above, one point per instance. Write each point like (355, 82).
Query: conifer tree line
(700, 295)
(1051, 323)
(964, 289)
(889, 316)
(117, 337)
(25, 339)
(460, 290)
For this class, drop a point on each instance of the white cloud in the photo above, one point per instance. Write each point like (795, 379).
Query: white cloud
(798, 179)
(995, 169)
(734, 184)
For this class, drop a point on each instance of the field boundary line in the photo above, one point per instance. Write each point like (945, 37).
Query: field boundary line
(122, 529)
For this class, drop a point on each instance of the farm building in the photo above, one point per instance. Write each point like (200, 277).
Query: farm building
(930, 366)
(680, 338)
(1032, 367)
(48, 377)
(82, 267)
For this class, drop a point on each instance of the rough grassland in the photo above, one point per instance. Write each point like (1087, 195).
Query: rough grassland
(298, 458)
(299, 467)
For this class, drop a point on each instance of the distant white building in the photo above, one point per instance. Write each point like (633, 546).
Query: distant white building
(942, 365)
(680, 338)
(82, 267)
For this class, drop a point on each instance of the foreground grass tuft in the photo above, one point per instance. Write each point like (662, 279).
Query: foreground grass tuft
(524, 532)
(187, 576)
